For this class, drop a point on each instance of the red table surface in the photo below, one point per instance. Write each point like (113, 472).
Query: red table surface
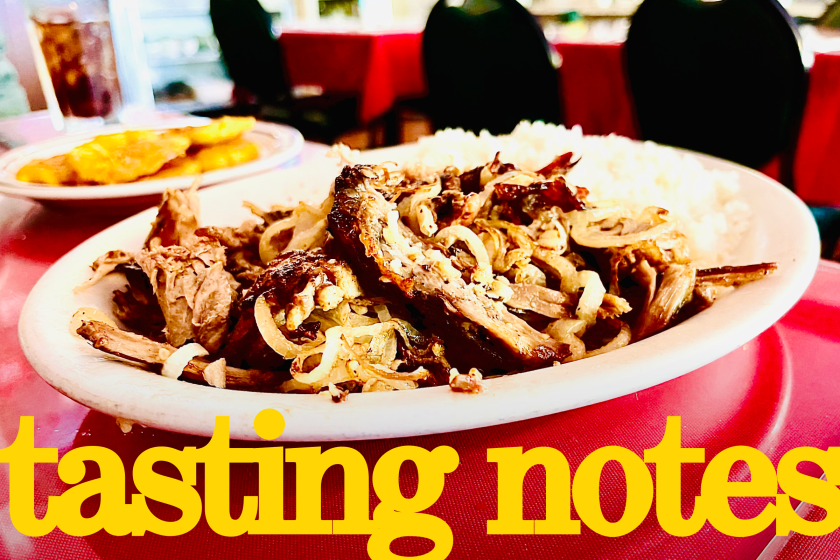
(594, 89)
(379, 67)
(776, 393)
(816, 177)
(382, 68)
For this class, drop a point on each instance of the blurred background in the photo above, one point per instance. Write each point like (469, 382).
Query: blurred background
(179, 56)
(752, 81)
(183, 56)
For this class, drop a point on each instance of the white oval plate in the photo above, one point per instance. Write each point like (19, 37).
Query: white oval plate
(782, 230)
(277, 144)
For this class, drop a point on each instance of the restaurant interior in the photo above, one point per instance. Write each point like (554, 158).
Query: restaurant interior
(359, 71)
(751, 86)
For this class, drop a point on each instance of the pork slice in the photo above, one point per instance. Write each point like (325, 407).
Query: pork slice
(103, 266)
(241, 244)
(139, 349)
(176, 220)
(484, 332)
(295, 282)
(211, 307)
(736, 276)
(673, 293)
(193, 290)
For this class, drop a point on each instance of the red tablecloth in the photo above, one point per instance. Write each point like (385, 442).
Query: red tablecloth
(777, 392)
(383, 67)
(379, 67)
(594, 89)
(817, 164)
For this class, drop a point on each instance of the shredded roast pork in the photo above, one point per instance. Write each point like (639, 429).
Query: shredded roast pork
(492, 336)
(400, 279)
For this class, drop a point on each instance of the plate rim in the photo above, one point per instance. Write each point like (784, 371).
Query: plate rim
(12, 187)
(468, 411)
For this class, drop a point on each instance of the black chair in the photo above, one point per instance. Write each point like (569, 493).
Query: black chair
(725, 78)
(488, 66)
(254, 61)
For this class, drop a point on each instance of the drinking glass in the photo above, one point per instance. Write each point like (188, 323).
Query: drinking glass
(74, 55)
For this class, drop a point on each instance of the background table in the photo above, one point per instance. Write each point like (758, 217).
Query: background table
(817, 164)
(384, 67)
(775, 393)
(379, 67)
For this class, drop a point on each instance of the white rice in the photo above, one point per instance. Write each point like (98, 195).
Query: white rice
(637, 174)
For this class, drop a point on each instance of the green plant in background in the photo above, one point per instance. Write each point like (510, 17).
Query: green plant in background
(349, 8)
(12, 97)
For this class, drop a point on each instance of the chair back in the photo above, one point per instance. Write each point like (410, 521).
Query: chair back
(249, 47)
(724, 78)
(488, 66)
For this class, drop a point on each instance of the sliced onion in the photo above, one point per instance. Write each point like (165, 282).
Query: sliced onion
(268, 251)
(382, 312)
(592, 296)
(529, 274)
(420, 198)
(343, 316)
(621, 340)
(294, 385)
(554, 240)
(311, 238)
(588, 235)
(516, 256)
(354, 333)
(347, 155)
(329, 358)
(406, 330)
(576, 347)
(311, 227)
(391, 233)
(174, 365)
(492, 240)
(561, 267)
(383, 348)
(563, 327)
(272, 335)
(515, 177)
(356, 320)
(520, 236)
(215, 373)
(104, 265)
(426, 220)
(390, 376)
(449, 235)
(334, 347)
(376, 384)
(89, 314)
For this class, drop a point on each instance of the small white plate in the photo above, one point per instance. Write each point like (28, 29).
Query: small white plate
(277, 145)
(782, 231)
